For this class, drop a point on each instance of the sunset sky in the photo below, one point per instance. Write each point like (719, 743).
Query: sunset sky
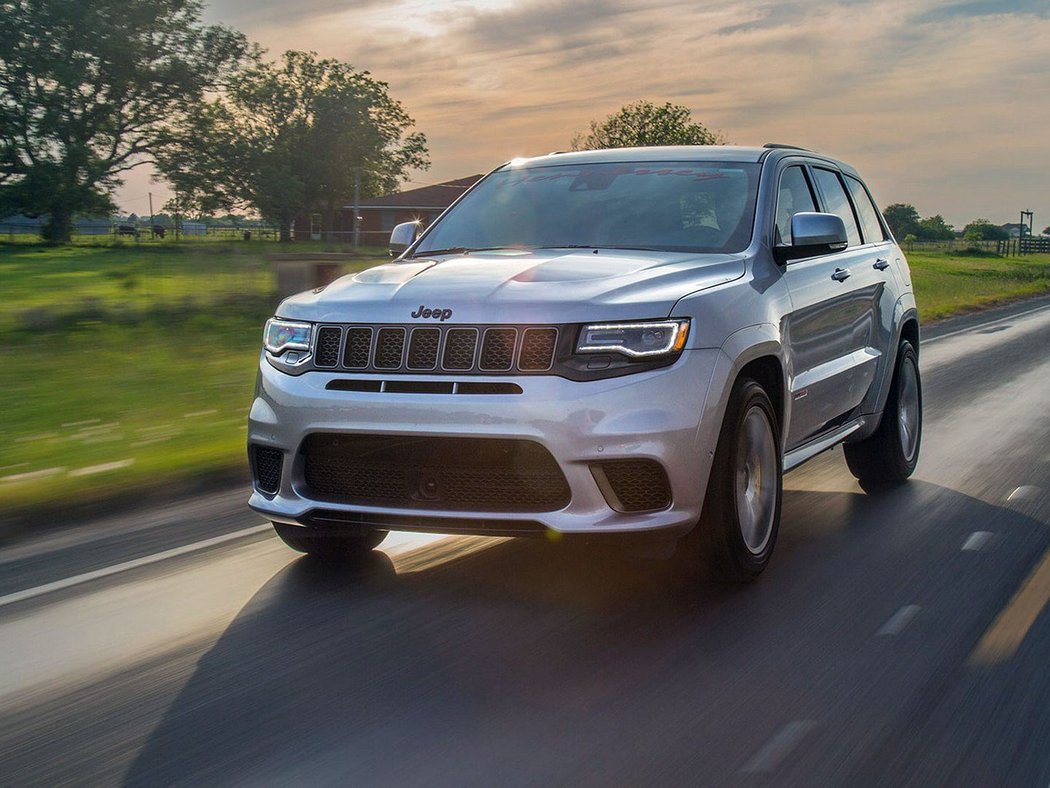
(942, 104)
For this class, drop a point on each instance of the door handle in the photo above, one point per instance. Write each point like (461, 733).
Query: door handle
(881, 265)
(841, 274)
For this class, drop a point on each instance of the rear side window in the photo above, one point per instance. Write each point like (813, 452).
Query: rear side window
(793, 196)
(837, 202)
(869, 214)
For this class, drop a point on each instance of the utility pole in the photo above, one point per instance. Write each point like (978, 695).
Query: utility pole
(357, 201)
(1030, 226)
(151, 216)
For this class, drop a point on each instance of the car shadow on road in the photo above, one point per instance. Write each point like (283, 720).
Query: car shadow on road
(536, 661)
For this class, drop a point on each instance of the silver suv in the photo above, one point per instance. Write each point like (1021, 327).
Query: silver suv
(636, 341)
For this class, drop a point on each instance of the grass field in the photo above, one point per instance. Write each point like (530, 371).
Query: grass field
(128, 365)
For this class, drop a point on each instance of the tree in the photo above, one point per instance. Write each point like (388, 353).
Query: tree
(293, 135)
(934, 228)
(903, 220)
(984, 230)
(1046, 230)
(644, 124)
(90, 89)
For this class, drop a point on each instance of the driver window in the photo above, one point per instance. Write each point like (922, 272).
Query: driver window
(793, 196)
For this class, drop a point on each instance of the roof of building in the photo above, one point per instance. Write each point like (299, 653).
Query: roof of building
(438, 195)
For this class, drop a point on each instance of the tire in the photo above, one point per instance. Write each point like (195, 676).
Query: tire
(890, 454)
(326, 544)
(741, 515)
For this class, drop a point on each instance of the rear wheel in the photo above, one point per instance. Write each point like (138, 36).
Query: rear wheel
(741, 515)
(327, 544)
(891, 453)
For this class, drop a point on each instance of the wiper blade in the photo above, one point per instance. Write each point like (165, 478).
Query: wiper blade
(463, 250)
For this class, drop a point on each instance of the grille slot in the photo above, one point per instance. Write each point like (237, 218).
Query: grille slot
(633, 485)
(457, 474)
(537, 349)
(497, 349)
(423, 348)
(390, 346)
(266, 464)
(460, 344)
(358, 347)
(327, 354)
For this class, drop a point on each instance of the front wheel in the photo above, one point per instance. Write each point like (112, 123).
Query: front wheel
(741, 515)
(327, 544)
(890, 454)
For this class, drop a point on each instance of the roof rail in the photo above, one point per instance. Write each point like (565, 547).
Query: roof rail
(789, 147)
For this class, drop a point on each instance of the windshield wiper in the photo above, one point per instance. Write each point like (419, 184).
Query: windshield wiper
(463, 250)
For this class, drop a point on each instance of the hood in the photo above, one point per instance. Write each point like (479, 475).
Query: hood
(541, 286)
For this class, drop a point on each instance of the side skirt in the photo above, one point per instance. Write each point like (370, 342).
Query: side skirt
(808, 451)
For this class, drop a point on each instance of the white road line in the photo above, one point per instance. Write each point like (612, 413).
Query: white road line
(968, 329)
(778, 748)
(91, 470)
(1024, 493)
(977, 540)
(29, 476)
(899, 620)
(69, 582)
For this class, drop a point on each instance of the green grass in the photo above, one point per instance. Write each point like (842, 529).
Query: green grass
(142, 357)
(137, 357)
(949, 283)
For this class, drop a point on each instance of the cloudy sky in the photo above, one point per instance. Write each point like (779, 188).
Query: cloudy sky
(941, 103)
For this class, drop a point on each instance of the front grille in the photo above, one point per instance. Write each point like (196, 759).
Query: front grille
(416, 349)
(328, 339)
(460, 344)
(459, 474)
(537, 349)
(266, 466)
(497, 349)
(423, 349)
(358, 348)
(633, 485)
(390, 346)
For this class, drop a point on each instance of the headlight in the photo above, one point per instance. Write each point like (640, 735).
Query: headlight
(635, 339)
(282, 335)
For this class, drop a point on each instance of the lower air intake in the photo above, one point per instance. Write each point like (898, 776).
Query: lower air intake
(451, 474)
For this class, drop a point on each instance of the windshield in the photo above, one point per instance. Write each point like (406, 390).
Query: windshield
(664, 206)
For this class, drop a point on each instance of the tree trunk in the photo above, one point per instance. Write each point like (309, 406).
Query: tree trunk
(59, 227)
(286, 228)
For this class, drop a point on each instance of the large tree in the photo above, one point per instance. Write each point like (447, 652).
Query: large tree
(293, 135)
(903, 220)
(934, 228)
(644, 124)
(985, 230)
(92, 88)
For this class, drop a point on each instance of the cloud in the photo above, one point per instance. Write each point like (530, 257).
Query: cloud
(979, 8)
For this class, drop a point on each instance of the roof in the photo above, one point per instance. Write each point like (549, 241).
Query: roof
(438, 196)
(675, 153)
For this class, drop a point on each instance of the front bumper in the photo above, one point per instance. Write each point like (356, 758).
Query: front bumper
(671, 415)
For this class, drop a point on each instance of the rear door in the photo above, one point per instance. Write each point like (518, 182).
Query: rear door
(834, 329)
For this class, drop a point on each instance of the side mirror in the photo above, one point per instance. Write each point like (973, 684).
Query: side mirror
(402, 237)
(813, 234)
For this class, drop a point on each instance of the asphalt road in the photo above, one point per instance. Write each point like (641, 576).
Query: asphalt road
(897, 639)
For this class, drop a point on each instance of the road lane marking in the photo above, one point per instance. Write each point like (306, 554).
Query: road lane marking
(899, 620)
(87, 577)
(977, 540)
(1004, 636)
(779, 747)
(91, 470)
(1024, 493)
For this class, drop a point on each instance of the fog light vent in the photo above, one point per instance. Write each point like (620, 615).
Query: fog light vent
(633, 485)
(266, 466)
